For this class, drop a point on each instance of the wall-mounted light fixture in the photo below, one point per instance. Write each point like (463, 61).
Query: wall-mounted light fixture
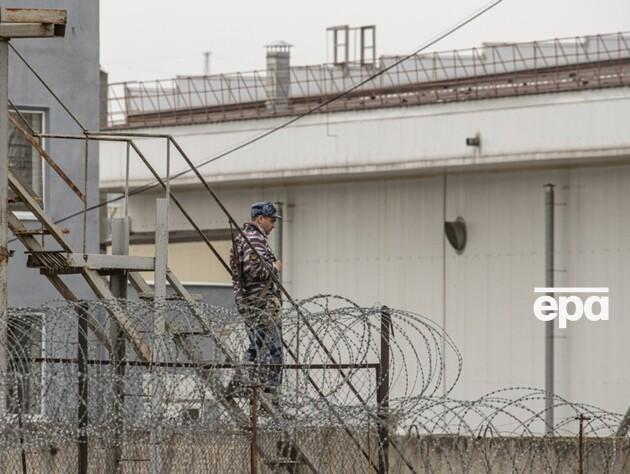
(456, 234)
(473, 141)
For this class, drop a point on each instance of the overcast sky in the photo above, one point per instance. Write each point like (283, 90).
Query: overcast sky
(154, 39)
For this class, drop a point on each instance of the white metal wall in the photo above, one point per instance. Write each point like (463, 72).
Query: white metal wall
(517, 130)
(381, 241)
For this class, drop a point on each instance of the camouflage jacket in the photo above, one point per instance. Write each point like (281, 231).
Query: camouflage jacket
(250, 275)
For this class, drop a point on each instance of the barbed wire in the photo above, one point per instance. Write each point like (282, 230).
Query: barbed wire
(331, 394)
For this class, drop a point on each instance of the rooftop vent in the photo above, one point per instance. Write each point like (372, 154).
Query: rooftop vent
(278, 76)
(347, 44)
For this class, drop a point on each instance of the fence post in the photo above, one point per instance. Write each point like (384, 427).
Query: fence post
(581, 419)
(82, 375)
(253, 451)
(118, 284)
(159, 326)
(382, 393)
(4, 253)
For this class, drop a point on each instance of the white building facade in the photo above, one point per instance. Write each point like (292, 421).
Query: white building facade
(366, 192)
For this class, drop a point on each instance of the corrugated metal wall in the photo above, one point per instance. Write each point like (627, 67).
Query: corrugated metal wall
(381, 241)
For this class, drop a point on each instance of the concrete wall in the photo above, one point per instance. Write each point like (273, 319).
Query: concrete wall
(333, 452)
(70, 66)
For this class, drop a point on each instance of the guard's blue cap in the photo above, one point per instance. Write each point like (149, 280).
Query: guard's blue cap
(265, 208)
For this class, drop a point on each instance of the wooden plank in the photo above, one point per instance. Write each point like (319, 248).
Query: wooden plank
(33, 15)
(27, 30)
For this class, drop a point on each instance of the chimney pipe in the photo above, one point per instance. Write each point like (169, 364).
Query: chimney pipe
(278, 76)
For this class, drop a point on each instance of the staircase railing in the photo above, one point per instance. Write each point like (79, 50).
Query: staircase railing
(88, 136)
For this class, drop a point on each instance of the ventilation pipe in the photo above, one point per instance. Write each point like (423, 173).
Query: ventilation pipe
(278, 76)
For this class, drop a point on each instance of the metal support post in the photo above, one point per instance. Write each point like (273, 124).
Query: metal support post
(167, 191)
(581, 419)
(126, 191)
(279, 234)
(159, 326)
(82, 369)
(86, 167)
(253, 450)
(161, 247)
(549, 342)
(382, 392)
(4, 252)
(118, 284)
(120, 246)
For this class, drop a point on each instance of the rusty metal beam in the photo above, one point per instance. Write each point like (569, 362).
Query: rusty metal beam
(44, 154)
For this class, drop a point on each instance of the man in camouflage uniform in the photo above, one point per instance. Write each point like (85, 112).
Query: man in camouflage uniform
(258, 299)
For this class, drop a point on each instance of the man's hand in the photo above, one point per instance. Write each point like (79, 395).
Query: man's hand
(277, 265)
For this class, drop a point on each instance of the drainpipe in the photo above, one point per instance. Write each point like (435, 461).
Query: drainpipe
(549, 346)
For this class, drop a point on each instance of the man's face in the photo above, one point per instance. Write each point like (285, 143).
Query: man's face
(266, 223)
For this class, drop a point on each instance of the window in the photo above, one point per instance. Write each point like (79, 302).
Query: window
(24, 378)
(24, 160)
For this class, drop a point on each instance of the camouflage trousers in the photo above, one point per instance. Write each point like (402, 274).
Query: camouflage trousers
(264, 331)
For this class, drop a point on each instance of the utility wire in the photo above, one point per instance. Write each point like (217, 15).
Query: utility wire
(449, 31)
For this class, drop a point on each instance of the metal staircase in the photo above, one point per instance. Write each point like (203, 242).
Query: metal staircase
(94, 267)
